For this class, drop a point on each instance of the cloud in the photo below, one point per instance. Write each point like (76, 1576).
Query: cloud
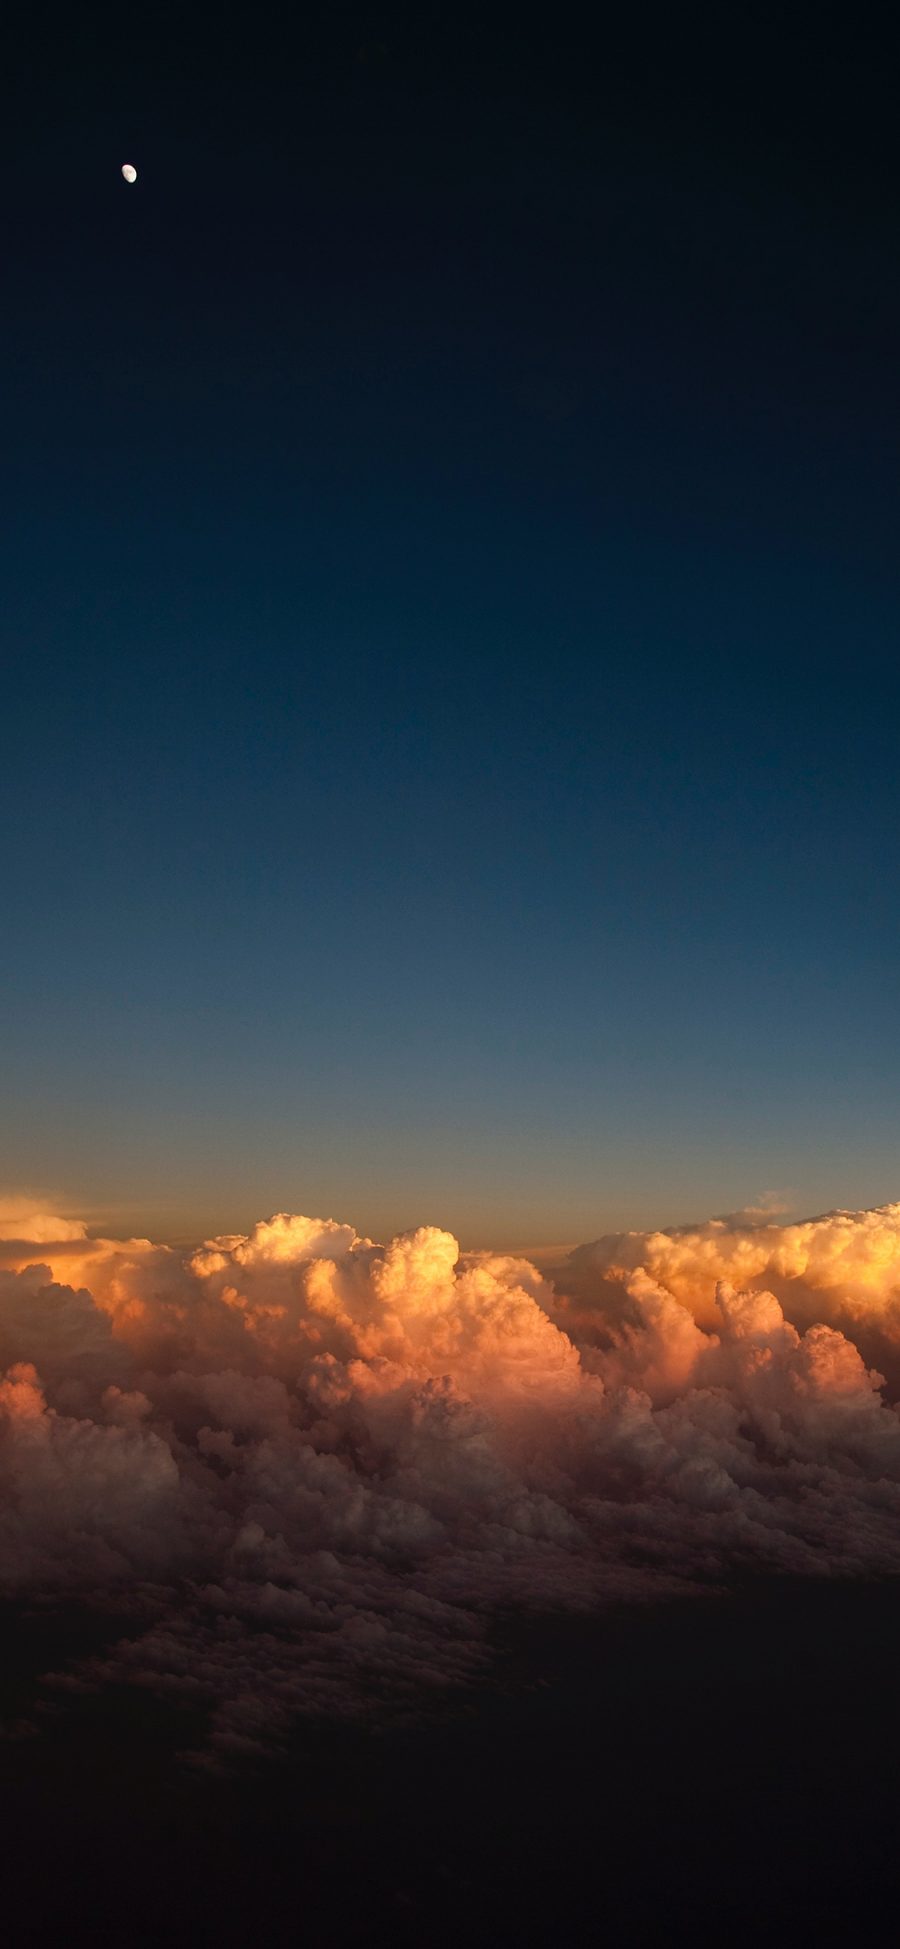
(844, 1266)
(314, 1467)
(27, 1220)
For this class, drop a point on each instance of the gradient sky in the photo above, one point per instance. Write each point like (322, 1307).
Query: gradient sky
(450, 625)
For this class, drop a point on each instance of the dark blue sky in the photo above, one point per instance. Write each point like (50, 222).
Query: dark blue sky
(450, 711)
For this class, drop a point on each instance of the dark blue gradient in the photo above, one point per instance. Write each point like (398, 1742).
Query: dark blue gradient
(450, 711)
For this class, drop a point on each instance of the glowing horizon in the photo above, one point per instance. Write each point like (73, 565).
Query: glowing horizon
(182, 1226)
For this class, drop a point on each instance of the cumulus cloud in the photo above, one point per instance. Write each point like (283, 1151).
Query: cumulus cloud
(843, 1267)
(313, 1467)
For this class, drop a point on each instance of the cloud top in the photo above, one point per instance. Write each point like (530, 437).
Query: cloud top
(314, 1466)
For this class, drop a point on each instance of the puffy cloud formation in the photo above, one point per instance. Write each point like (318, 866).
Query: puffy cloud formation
(843, 1268)
(312, 1467)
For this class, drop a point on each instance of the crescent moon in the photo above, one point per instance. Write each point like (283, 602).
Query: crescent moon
(129, 172)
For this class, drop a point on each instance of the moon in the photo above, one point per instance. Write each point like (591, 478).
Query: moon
(129, 172)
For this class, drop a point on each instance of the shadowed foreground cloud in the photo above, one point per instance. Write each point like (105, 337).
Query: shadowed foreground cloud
(311, 1469)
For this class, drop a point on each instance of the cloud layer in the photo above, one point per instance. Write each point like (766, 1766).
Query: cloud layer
(313, 1468)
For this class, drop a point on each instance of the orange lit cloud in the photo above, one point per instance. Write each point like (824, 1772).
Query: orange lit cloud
(319, 1463)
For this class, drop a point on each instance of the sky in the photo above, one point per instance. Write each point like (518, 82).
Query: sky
(450, 676)
(448, 785)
